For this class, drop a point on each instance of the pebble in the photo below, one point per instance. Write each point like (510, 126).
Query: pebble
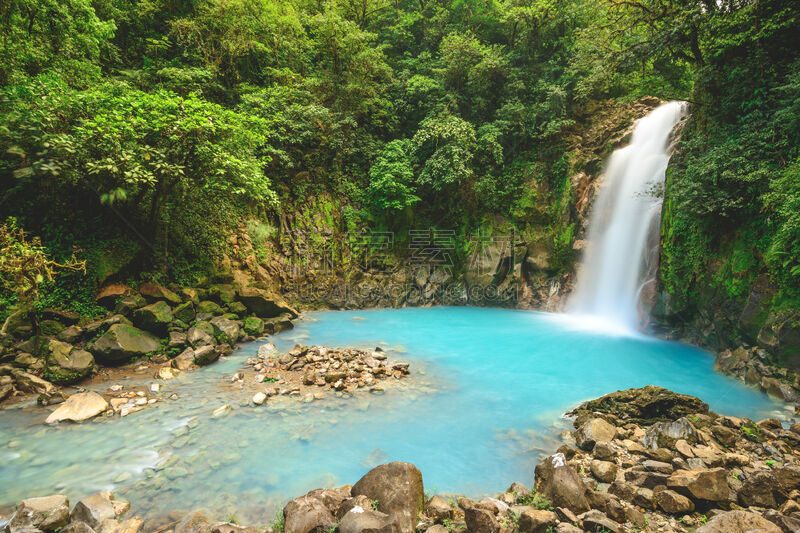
(259, 398)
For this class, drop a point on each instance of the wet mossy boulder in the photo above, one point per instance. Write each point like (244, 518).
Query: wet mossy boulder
(121, 343)
(264, 304)
(643, 406)
(253, 326)
(67, 364)
(276, 325)
(154, 318)
(184, 312)
(201, 334)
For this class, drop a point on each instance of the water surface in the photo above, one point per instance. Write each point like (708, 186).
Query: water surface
(485, 400)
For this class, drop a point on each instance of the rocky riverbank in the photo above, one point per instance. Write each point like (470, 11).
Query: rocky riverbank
(180, 329)
(638, 460)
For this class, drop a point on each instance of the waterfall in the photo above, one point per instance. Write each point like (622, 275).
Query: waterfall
(624, 219)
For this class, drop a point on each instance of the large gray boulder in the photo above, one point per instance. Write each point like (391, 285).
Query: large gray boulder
(399, 491)
(47, 514)
(121, 343)
(558, 482)
(154, 318)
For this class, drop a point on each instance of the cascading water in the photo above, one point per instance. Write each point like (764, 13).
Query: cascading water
(624, 219)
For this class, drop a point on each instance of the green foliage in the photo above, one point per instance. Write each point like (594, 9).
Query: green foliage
(391, 185)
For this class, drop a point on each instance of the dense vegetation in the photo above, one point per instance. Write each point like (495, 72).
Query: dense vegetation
(138, 133)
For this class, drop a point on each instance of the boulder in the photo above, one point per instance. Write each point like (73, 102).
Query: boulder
(438, 509)
(361, 520)
(594, 520)
(71, 334)
(666, 434)
(788, 524)
(129, 304)
(253, 326)
(29, 383)
(536, 521)
(185, 360)
(94, 509)
(307, 514)
(760, 489)
(205, 355)
(399, 491)
(47, 513)
(671, 502)
(558, 482)
(645, 405)
(6, 389)
(780, 390)
(224, 293)
(201, 334)
(207, 307)
(66, 364)
(154, 318)
(480, 521)
(154, 292)
(226, 328)
(276, 325)
(79, 407)
(184, 312)
(108, 295)
(701, 483)
(264, 304)
(738, 522)
(121, 343)
(593, 431)
(605, 471)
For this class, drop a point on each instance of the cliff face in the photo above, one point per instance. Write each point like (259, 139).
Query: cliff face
(318, 260)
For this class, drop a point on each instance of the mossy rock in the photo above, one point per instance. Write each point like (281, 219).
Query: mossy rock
(206, 327)
(121, 343)
(154, 318)
(237, 308)
(129, 304)
(67, 364)
(644, 406)
(265, 304)
(207, 306)
(51, 327)
(253, 326)
(184, 312)
(154, 292)
(223, 293)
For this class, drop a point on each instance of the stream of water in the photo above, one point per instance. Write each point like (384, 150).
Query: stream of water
(484, 402)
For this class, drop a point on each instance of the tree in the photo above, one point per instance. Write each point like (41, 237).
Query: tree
(391, 177)
(24, 266)
(61, 35)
